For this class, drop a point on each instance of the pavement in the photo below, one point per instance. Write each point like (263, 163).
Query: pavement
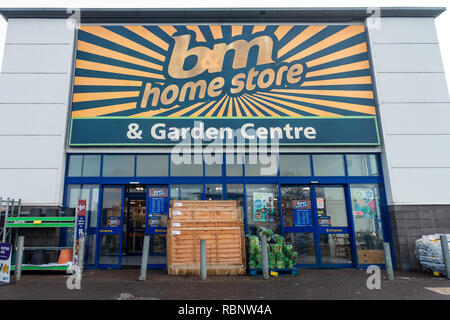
(310, 284)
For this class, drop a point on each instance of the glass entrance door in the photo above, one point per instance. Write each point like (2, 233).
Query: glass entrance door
(110, 230)
(332, 226)
(134, 230)
(315, 221)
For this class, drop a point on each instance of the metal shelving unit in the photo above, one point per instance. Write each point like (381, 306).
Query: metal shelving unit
(23, 220)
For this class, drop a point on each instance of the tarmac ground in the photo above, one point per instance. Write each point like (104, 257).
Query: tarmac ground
(310, 284)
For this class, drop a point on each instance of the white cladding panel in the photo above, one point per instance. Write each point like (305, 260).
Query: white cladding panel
(38, 31)
(39, 58)
(33, 186)
(419, 151)
(405, 57)
(412, 87)
(420, 185)
(33, 88)
(421, 118)
(37, 152)
(34, 92)
(414, 107)
(41, 120)
(404, 30)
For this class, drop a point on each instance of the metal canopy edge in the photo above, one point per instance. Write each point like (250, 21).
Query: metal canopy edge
(111, 15)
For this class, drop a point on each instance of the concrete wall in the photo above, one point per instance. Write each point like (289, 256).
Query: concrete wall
(414, 110)
(35, 87)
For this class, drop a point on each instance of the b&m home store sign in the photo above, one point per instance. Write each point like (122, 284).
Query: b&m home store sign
(161, 84)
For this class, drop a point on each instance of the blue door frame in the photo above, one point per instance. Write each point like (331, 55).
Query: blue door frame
(318, 230)
(105, 231)
(244, 180)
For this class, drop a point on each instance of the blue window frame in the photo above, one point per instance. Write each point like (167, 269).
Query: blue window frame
(241, 178)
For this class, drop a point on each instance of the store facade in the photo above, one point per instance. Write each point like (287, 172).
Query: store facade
(282, 110)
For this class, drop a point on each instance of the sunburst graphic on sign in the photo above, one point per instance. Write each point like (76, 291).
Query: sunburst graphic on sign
(114, 64)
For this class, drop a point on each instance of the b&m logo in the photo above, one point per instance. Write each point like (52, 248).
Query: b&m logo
(158, 193)
(222, 71)
(301, 204)
(198, 71)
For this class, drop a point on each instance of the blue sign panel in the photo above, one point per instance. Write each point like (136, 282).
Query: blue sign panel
(302, 217)
(159, 205)
(171, 131)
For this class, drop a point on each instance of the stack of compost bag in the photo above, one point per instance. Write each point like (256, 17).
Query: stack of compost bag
(429, 252)
(280, 254)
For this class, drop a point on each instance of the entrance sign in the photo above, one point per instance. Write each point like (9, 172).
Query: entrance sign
(5, 262)
(160, 84)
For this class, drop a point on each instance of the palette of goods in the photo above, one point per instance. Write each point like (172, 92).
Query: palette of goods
(429, 252)
(219, 223)
(281, 255)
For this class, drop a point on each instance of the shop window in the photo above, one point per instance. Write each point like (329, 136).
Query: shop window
(186, 192)
(90, 193)
(262, 207)
(188, 166)
(296, 206)
(236, 192)
(331, 207)
(84, 166)
(329, 165)
(91, 249)
(118, 166)
(213, 165)
(75, 165)
(157, 249)
(261, 165)
(295, 165)
(367, 223)
(303, 244)
(152, 166)
(213, 170)
(109, 249)
(234, 165)
(335, 248)
(213, 192)
(362, 165)
(111, 207)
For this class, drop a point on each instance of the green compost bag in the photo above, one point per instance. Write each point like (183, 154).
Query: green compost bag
(277, 248)
(288, 250)
(254, 248)
(253, 240)
(280, 264)
(291, 264)
(278, 239)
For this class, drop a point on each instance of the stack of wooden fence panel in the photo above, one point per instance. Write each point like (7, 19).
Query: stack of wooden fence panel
(219, 223)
